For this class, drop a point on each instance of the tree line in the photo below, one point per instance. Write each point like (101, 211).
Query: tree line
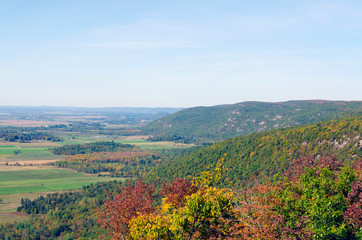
(23, 135)
(109, 146)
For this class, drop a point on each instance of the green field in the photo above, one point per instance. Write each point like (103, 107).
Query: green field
(44, 180)
(17, 182)
(39, 155)
(26, 153)
(71, 142)
(8, 150)
(131, 141)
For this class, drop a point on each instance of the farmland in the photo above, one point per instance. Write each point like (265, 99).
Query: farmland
(43, 180)
(27, 162)
(26, 154)
(17, 182)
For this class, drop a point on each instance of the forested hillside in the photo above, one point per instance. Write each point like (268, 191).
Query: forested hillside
(265, 154)
(202, 124)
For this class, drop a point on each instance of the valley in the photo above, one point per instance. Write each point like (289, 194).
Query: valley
(27, 166)
(69, 172)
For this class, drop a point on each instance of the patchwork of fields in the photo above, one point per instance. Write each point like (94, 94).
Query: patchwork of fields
(44, 180)
(18, 182)
(25, 170)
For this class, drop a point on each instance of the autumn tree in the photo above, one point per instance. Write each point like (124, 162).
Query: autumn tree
(199, 211)
(255, 215)
(353, 214)
(129, 203)
(316, 197)
(175, 192)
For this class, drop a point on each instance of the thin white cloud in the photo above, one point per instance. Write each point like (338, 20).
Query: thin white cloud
(138, 45)
(324, 11)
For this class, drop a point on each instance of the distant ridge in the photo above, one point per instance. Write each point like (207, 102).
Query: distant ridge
(267, 153)
(220, 122)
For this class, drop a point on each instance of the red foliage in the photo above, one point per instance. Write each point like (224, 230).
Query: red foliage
(299, 231)
(299, 165)
(177, 190)
(353, 214)
(132, 201)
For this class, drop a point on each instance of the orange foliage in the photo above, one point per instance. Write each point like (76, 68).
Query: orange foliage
(255, 216)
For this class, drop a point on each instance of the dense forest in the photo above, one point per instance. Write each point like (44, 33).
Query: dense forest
(262, 155)
(110, 146)
(202, 124)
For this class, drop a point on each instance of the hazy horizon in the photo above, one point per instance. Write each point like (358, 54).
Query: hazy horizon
(63, 106)
(178, 54)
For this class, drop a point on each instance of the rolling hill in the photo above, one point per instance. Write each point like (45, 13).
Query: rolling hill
(220, 122)
(267, 153)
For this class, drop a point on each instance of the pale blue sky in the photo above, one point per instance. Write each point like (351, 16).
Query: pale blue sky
(178, 53)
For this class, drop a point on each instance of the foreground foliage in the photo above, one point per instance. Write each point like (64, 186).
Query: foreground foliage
(319, 198)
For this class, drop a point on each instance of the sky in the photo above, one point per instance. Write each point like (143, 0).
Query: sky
(153, 53)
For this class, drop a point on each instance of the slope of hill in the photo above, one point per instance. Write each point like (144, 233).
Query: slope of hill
(266, 153)
(226, 121)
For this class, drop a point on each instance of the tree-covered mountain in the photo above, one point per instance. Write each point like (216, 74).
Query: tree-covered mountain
(225, 121)
(262, 155)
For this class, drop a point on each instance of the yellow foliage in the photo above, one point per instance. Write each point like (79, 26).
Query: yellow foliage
(207, 206)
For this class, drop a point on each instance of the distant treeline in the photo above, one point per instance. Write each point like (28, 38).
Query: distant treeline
(91, 148)
(25, 135)
(172, 138)
(117, 164)
(99, 128)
